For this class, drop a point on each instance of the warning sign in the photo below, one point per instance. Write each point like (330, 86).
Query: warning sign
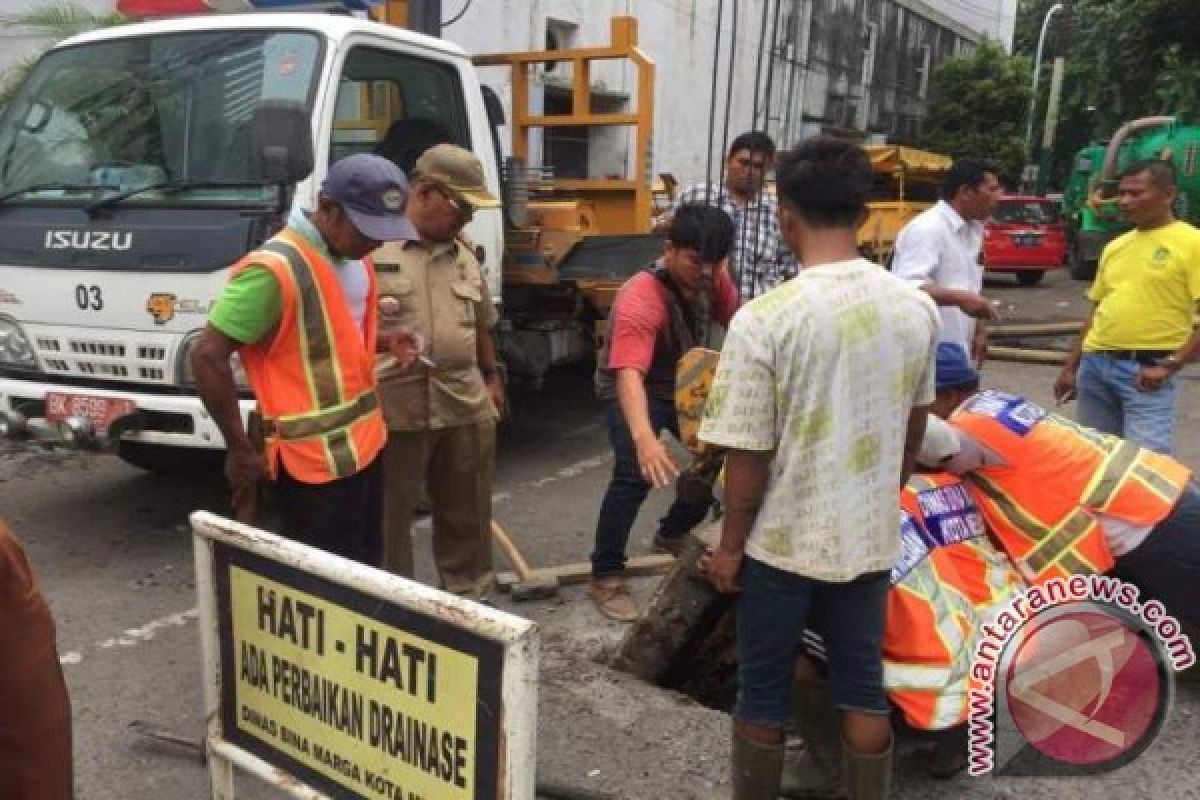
(355, 696)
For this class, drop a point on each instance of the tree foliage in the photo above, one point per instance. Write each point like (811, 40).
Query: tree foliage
(977, 107)
(52, 24)
(1126, 59)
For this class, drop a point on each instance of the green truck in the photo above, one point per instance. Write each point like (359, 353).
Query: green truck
(1090, 196)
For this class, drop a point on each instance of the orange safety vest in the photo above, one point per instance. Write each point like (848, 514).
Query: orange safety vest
(949, 581)
(315, 377)
(1041, 503)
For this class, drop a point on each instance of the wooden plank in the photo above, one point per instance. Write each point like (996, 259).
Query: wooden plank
(571, 574)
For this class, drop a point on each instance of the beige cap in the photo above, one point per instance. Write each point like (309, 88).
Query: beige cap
(458, 170)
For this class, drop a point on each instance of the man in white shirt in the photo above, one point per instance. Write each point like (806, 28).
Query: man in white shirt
(820, 397)
(939, 251)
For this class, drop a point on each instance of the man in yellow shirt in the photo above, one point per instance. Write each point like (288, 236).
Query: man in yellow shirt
(1140, 332)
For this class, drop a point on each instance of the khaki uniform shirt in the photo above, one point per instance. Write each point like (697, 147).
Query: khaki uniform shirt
(442, 296)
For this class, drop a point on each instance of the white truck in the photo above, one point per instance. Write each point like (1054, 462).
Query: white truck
(138, 162)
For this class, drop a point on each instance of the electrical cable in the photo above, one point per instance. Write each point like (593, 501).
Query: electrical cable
(712, 103)
(771, 66)
(721, 156)
(466, 7)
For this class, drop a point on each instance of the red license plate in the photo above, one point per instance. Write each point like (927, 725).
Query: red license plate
(100, 411)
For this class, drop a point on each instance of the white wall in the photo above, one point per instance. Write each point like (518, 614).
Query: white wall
(995, 18)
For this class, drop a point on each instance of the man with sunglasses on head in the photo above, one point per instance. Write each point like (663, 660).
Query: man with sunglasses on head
(441, 410)
(300, 313)
(760, 260)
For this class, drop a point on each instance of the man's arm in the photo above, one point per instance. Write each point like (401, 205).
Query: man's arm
(916, 261)
(1065, 389)
(746, 473)
(218, 391)
(653, 459)
(485, 355)
(914, 434)
(1152, 377)
(970, 303)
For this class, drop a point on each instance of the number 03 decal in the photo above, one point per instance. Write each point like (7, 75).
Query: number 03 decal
(89, 298)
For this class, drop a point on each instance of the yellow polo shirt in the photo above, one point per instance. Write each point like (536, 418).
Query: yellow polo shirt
(1146, 291)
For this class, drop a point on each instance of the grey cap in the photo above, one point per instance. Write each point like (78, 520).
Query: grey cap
(374, 193)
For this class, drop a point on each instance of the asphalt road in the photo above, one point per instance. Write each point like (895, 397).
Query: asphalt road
(113, 550)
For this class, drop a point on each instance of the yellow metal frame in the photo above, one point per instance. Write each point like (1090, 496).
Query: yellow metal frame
(621, 205)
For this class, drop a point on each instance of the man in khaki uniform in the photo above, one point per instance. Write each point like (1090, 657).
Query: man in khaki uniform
(441, 411)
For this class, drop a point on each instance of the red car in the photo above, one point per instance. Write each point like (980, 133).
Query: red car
(1025, 236)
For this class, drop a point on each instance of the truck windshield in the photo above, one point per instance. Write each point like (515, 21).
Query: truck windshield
(138, 112)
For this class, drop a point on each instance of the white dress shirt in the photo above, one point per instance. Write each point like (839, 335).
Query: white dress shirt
(941, 248)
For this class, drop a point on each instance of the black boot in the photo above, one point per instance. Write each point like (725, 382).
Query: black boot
(949, 754)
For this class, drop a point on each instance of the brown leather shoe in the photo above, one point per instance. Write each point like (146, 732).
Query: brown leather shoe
(612, 598)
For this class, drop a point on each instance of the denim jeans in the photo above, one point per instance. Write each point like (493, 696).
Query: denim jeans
(1166, 566)
(627, 491)
(1109, 402)
(774, 608)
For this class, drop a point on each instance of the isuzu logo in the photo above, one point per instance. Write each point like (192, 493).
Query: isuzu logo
(88, 240)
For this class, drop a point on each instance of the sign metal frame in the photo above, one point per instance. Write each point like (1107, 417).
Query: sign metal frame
(220, 543)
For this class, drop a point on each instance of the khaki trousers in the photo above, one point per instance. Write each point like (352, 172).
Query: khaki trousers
(35, 712)
(455, 465)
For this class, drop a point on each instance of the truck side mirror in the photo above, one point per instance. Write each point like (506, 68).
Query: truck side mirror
(281, 145)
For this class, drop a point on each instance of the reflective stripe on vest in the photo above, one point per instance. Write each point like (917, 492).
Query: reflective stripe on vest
(307, 425)
(322, 370)
(937, 607)
(1048, 546)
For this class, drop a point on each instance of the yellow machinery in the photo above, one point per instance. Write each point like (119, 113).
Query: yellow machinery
(906, 183)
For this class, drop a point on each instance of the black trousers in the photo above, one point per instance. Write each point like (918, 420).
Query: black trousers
(344, 516)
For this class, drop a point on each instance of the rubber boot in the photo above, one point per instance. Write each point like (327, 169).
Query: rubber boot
(817, 773)
(949, 754)
(756, 769)
(868, 775)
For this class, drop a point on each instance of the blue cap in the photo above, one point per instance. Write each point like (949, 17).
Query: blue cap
(374, 193)
(954, 368)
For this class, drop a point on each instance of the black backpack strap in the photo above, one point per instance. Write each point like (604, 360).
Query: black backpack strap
(694, 327)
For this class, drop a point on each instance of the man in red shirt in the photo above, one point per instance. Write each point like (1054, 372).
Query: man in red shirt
(658, 315)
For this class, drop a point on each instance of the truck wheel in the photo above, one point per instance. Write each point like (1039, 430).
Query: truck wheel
(1030, 277)
(170, 460)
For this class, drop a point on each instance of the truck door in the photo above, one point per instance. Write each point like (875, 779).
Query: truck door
(398, 104)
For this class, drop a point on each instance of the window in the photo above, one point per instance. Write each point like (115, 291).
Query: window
(1023, 212)
(397, 105)
(130, 112)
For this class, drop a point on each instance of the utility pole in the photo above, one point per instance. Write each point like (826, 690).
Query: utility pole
(1056, 79)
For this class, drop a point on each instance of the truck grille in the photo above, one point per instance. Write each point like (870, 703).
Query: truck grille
(113, 357)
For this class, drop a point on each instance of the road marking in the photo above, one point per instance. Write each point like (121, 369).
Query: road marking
(131, 637)
(572, 470)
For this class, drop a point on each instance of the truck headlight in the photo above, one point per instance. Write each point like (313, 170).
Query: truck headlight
(15, 349)
(183, 365)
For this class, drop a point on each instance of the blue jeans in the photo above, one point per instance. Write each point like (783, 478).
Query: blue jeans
(1109, 402)
(627, 491)
(1166, 566)
(773, 609)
